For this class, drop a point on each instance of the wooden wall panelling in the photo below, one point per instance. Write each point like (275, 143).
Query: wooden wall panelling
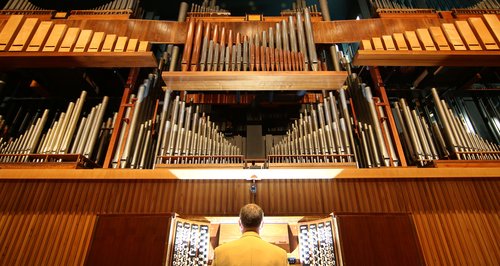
(481, 227)
(50, 222)
(130, 240)
(24, 36)
(485, 195)
(467, 35)
(10, 30)
(426, 228)
(388, 239)
(483, 34)
(439, 38)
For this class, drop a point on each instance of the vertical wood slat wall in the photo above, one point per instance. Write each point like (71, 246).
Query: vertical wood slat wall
(51, 222)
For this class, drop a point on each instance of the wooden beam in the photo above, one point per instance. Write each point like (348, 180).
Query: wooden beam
(243, 174)
(325, 32)
(74, 59)
(428, 58)
(260, 81)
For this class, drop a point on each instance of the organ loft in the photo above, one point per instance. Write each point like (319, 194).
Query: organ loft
(132, 132)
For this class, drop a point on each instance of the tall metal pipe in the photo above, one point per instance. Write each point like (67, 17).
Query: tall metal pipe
(310, 40)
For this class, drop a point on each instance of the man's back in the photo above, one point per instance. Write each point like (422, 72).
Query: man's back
(249, 250)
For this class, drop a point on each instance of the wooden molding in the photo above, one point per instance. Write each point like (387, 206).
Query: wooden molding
(254, 80)
(427, 58)
(75, 59)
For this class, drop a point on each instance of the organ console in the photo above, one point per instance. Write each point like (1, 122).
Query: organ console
(307, 242)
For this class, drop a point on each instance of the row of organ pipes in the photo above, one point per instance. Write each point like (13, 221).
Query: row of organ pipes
(435, 4)
(444, 130)
(207, 7)
(111, 5)
(322, 134)
(69, 132)
(289, 46)
(182, 134)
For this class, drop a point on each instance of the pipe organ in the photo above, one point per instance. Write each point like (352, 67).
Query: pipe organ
(198, 94)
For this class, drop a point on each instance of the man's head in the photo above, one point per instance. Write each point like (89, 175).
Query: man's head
(251, 216)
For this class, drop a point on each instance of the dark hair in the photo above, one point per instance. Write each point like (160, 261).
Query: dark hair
(251, 215)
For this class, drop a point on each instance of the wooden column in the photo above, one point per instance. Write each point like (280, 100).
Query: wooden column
(132, 77)
(380, 89)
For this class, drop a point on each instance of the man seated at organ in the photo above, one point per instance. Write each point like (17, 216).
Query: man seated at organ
(250, 249)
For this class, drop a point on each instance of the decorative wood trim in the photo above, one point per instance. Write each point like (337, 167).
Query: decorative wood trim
(243, 174)
(254, 80)
(76, 59)
(427, 58)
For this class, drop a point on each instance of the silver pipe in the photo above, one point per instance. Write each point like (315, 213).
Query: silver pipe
(439, 138)
(55, 132)
(284, 36)
(210, 57)
(95, 130)
(145, 154)
(180, 125)
(310, 40)
(394, 155)
(365, 146)
(444, 121)
(293, 35)
(222, 56)
(121, 138)
(335, 57)
(324, 10)
(133, 124)
(428, 136)
(405, 131)
(173, 61)
(38, 132)
(377, 128)
(163, 118)
(279, 44)
(412, 132)
(183, 12)
(347, 117)
(72, 123)
(61, 135)
(421, 135)
(373, 145)
(454, 131)
(173, 126)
